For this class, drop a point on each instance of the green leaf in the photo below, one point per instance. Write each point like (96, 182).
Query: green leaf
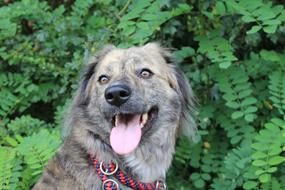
(249, 117)
(183, 53)
(195, 176)
(248, 18)
(272, 22)
(220, 8)
(259, 172)
(258, 155)
(234, 105)
(206, 176)
(259, 163)
(250, 109)
(264, 178)
(272, 170)
(237, 114)
(11, 141)
(181, 9)
(269, 55)
(225, 65)
(199, 183)
(254, 29)
(275, 151)
(270, 29)
(276, 160)
(248, 101)
(249, 185)
(236, 139)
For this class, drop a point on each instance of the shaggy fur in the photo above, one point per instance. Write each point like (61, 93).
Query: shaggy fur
(89, 119)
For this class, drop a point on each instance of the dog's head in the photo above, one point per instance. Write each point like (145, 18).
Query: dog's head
(132, 96)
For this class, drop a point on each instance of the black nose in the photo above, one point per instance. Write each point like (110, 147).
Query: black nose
(117, 95)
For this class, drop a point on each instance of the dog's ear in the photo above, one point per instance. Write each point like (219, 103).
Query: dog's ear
(187, 122)
(82, 97)
(179, 82)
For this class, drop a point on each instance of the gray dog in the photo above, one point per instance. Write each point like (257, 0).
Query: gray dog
(124, 121)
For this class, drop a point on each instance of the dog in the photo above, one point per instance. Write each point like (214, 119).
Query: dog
(124, 121)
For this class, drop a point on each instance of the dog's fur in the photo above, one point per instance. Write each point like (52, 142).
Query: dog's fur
(90, 115)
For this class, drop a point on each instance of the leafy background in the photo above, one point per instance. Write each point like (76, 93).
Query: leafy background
(232, 51)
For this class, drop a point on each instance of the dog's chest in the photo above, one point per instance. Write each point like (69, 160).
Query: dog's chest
(146, 171)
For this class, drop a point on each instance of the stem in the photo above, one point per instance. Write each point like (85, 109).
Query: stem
(125, 7)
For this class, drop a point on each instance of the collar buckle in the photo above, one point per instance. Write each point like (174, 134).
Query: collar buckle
(110, 183)
(160, 185)
(106, 172)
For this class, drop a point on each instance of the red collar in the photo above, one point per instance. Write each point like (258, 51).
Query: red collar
(110, 173)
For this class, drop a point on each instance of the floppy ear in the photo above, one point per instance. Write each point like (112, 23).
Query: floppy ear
(82, 97)
(180, 83)
(187, 122)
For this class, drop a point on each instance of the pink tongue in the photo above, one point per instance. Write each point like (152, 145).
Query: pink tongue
(125, 137)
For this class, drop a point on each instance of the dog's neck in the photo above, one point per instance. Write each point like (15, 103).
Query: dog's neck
(147, 165)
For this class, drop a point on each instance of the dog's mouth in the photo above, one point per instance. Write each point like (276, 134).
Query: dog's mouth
(128, 128)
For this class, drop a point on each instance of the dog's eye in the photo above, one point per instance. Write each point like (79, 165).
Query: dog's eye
(103, 79)
(146, 73)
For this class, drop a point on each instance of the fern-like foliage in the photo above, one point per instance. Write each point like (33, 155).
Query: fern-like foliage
(81, 7)
(37, 149)
(217, 49)
(25, 125)
(204, 157)
(183, 153)
(145, 18)
(263, 14)
(268, 149)
(274, 184)
(15, 93)
(23, 161)
(11, 79)
(209, 161)
(27, 179)
(237, 171)
(8, 102)
(277, 91)
(222, 184)
(9, 17)
(237, 130)
(8, 99)
(236, 165)
(10, 169)
(237, 168)
(237, 93)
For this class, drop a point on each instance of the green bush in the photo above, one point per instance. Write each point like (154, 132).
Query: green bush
(232, 51)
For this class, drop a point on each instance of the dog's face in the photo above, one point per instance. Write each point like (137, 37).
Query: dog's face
(133, 96)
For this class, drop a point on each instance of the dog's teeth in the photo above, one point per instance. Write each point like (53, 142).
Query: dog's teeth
(144, 118)
(116, 120)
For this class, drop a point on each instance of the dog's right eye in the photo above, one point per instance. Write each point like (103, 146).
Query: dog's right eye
(145, 73)
(103, 79)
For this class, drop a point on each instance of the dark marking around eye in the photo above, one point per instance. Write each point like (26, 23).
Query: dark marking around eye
(145, 73)
(103, 79)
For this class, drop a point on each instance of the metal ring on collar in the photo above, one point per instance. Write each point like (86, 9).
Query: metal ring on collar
(113, 182)
(106, 172)
(160, 185)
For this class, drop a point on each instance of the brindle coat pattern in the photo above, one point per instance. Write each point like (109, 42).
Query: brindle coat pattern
(90, 114)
